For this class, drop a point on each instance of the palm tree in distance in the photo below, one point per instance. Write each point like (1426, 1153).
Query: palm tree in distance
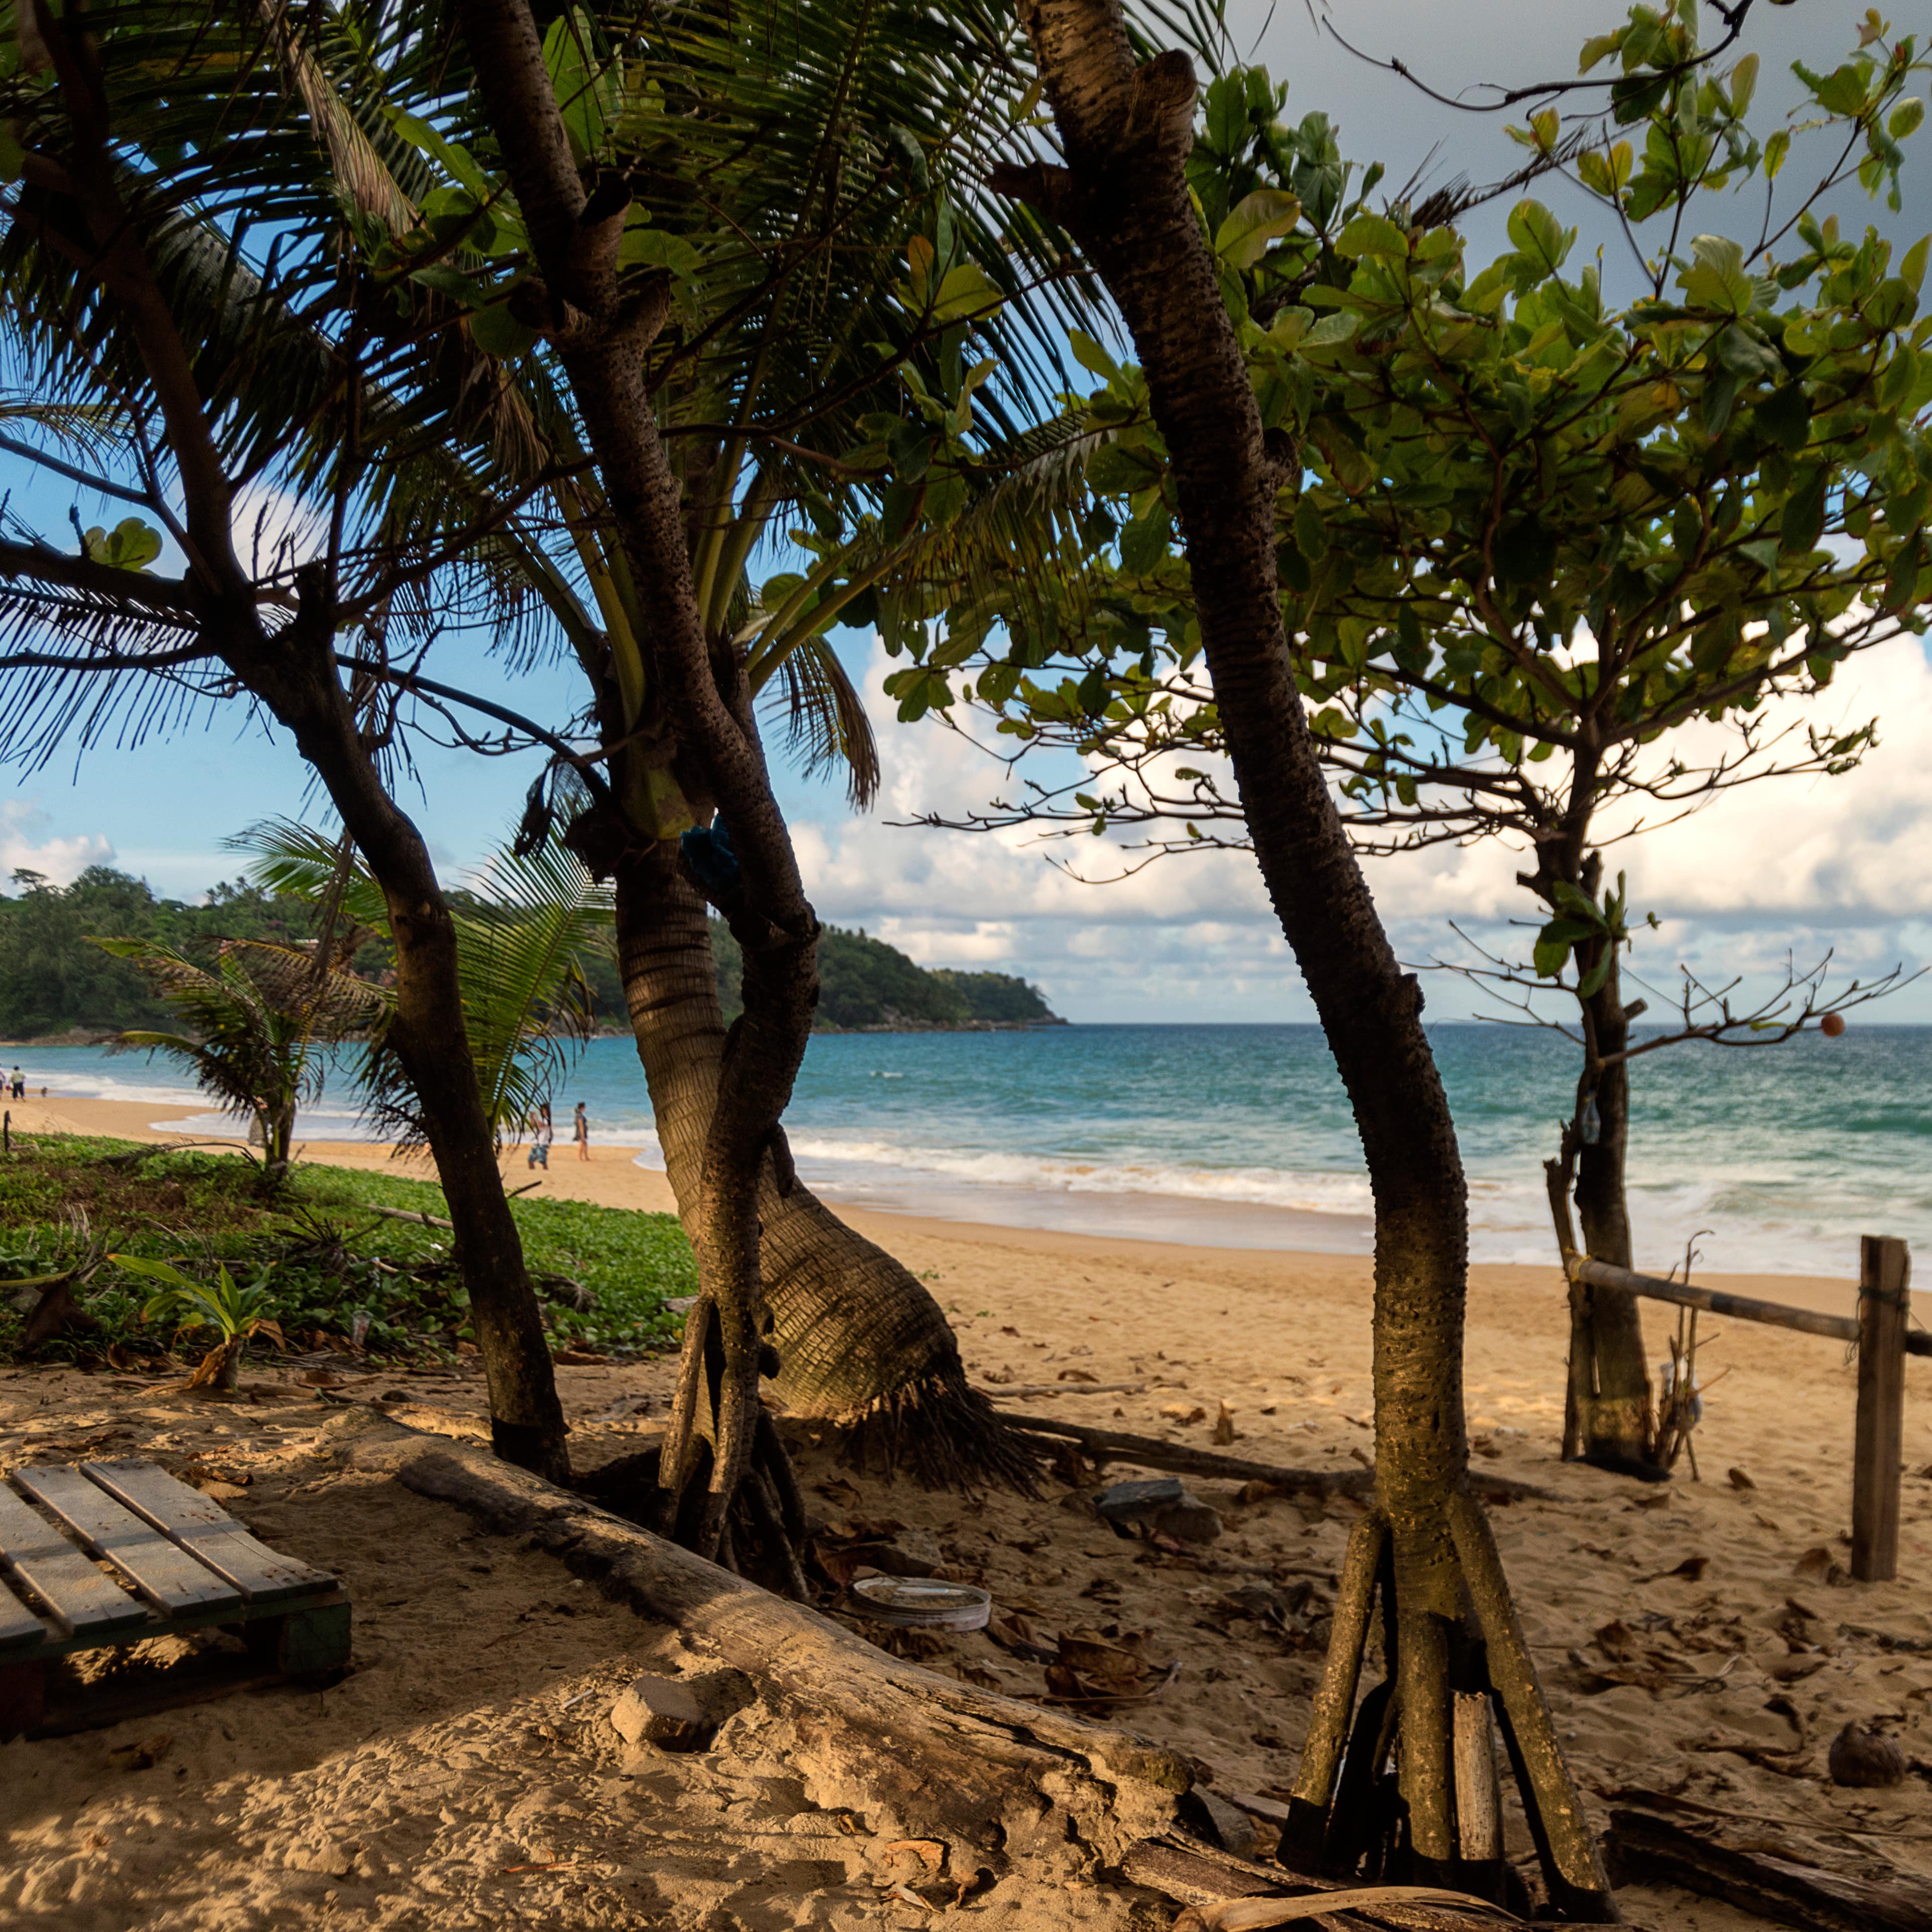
(251, 1025)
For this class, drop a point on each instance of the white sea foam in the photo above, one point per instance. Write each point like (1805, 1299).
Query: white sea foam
(1228, 1149)
(1313, 1193)
(88, 1084)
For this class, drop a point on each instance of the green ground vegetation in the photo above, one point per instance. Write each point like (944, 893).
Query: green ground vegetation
(324, 1256)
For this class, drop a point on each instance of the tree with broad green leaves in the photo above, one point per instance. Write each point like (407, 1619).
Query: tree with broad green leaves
(1558, 567)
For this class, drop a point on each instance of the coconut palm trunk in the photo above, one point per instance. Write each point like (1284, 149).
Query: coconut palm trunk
(1126, 130)
(858, 1337)
(291, 670)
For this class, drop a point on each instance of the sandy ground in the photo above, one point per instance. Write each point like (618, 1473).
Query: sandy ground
(1699, 1638)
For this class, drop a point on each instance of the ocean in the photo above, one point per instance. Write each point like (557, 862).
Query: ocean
(1775, 1159)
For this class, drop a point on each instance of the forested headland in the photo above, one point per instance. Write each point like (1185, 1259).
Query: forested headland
(55, 985)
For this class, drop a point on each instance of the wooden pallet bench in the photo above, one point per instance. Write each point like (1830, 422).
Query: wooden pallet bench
(106, 1553)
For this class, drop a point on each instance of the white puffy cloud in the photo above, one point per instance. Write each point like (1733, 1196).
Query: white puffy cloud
(1807, 865)
(26, 846)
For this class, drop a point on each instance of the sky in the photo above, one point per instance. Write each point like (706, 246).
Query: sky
(1799, 866)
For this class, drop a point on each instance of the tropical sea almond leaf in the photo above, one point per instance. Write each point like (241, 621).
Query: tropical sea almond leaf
(1690, 1570)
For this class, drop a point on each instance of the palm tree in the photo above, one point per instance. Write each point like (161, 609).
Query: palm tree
(775, 351)
(790, 316)
(524, 932)
(251, 1026)
(148, 142)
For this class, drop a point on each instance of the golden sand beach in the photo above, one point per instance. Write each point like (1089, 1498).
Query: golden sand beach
(1700, 1638)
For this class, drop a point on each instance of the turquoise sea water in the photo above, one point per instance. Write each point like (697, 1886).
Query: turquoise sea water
(1240, 1136)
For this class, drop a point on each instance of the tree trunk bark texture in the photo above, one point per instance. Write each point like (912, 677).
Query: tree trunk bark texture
(859, 1339)
(1126, 131)
(293, 674)
(430, 1040)
(1618, 1420)
(601, 324)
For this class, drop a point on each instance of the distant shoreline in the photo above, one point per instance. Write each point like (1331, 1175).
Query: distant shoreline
(75, 1037)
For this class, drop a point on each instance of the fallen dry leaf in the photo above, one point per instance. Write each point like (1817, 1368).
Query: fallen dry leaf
(1691, 1569)
(930, 1852)
(1224, 1425)
(148, 1752)
(1077, 1375)
(1738, 1479)
(1183, 1414)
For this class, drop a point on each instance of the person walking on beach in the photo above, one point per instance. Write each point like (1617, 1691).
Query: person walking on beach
(580, 1132)
(19, 1084)
(542, 1134)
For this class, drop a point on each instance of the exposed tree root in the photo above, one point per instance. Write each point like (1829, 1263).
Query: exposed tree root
(946, 1432)
(1430, 1818)
(1108, 1445)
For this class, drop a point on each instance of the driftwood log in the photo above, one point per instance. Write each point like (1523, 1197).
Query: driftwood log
(1009, 1787)
(924, 1755)
(1807, 1897)
(1202, 1876)
(1108, 1445)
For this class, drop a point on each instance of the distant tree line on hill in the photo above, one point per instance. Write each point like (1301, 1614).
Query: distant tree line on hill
(54, 984)
(865, 983)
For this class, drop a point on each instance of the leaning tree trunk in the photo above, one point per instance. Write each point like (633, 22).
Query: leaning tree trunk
(428, 1034)
(859, 1339)
(1609, 1416)
(601, 323)
(1616, 1420)
(1126, 131)
(293, 673)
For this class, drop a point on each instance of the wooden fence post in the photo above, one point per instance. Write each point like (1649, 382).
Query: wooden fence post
(1884, 1302)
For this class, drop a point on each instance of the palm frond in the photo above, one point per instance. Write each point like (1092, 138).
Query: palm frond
(825, 718)
(522, 935)
(525, 926)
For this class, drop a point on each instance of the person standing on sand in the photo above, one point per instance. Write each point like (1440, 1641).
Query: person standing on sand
(542, 1134)
(19, 1084)
(580, 1132)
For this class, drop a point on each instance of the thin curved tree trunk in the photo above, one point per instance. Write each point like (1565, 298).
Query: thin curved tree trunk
(293, 673)
(859, 1338)
(430, 1040)
(1617, 1421)
(1611, 1417)
(1126, 130)
(601, 323)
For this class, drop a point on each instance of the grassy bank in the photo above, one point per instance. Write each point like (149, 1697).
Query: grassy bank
(327, 1258)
